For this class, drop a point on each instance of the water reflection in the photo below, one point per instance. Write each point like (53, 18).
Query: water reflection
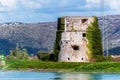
(81, 76)
(77, 76)
(55, 76)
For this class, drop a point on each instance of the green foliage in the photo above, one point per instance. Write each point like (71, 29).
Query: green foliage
(73, 28)
(18, 53)
(101, 58)
(64, 66)
(37, 64)
(44, 56)
(95, 40)
(60, 28)
(2, 56)
(99, 67)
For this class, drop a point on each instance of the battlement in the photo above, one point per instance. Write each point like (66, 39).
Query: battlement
(77, 23)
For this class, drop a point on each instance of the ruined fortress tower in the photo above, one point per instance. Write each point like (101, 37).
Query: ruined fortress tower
(73, 44)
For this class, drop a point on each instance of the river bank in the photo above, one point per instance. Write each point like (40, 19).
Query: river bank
(46, 66)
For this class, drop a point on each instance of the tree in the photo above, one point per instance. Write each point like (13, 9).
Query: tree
(18, 53)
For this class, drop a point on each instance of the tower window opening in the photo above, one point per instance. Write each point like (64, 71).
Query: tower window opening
(68, 58)
(67, 25)
(84, 34)
(75, 47)
(81, 58)
(84, 21)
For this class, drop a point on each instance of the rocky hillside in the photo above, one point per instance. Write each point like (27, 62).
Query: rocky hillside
(33, 37)
(41, 36)
(112, 32)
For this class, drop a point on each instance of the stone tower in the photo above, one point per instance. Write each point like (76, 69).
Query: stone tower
(73, 44)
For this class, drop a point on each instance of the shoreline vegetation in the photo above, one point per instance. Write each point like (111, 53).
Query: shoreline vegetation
(47, 66)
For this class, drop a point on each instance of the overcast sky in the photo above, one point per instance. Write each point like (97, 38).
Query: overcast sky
(49, 10)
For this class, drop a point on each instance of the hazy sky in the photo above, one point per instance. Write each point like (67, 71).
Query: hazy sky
(50, 10)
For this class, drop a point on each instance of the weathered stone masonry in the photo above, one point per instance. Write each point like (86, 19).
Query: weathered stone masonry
(73, 44)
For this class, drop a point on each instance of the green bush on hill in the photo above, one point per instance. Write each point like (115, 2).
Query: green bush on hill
(44, 56)
(18, 53)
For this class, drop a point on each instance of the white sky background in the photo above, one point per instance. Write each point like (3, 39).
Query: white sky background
(50, 10)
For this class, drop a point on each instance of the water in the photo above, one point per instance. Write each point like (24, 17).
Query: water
(55, 76)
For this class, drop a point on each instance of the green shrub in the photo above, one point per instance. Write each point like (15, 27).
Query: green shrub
(60, 28)
(44, 56)
(18, 53)
(94, 40)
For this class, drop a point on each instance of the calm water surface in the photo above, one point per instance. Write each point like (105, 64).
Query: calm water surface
(55, 76)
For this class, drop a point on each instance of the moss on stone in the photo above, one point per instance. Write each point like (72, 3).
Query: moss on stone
(94, 39)
(73, 28)
(60, 29)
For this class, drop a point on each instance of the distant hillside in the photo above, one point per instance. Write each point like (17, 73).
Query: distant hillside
(41, 36)
(112, 28)
(34, 37)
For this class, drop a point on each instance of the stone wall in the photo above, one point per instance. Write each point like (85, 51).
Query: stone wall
(73, 45)
(77, 23)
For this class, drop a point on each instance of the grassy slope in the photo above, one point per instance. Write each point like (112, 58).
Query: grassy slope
(62, 66)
